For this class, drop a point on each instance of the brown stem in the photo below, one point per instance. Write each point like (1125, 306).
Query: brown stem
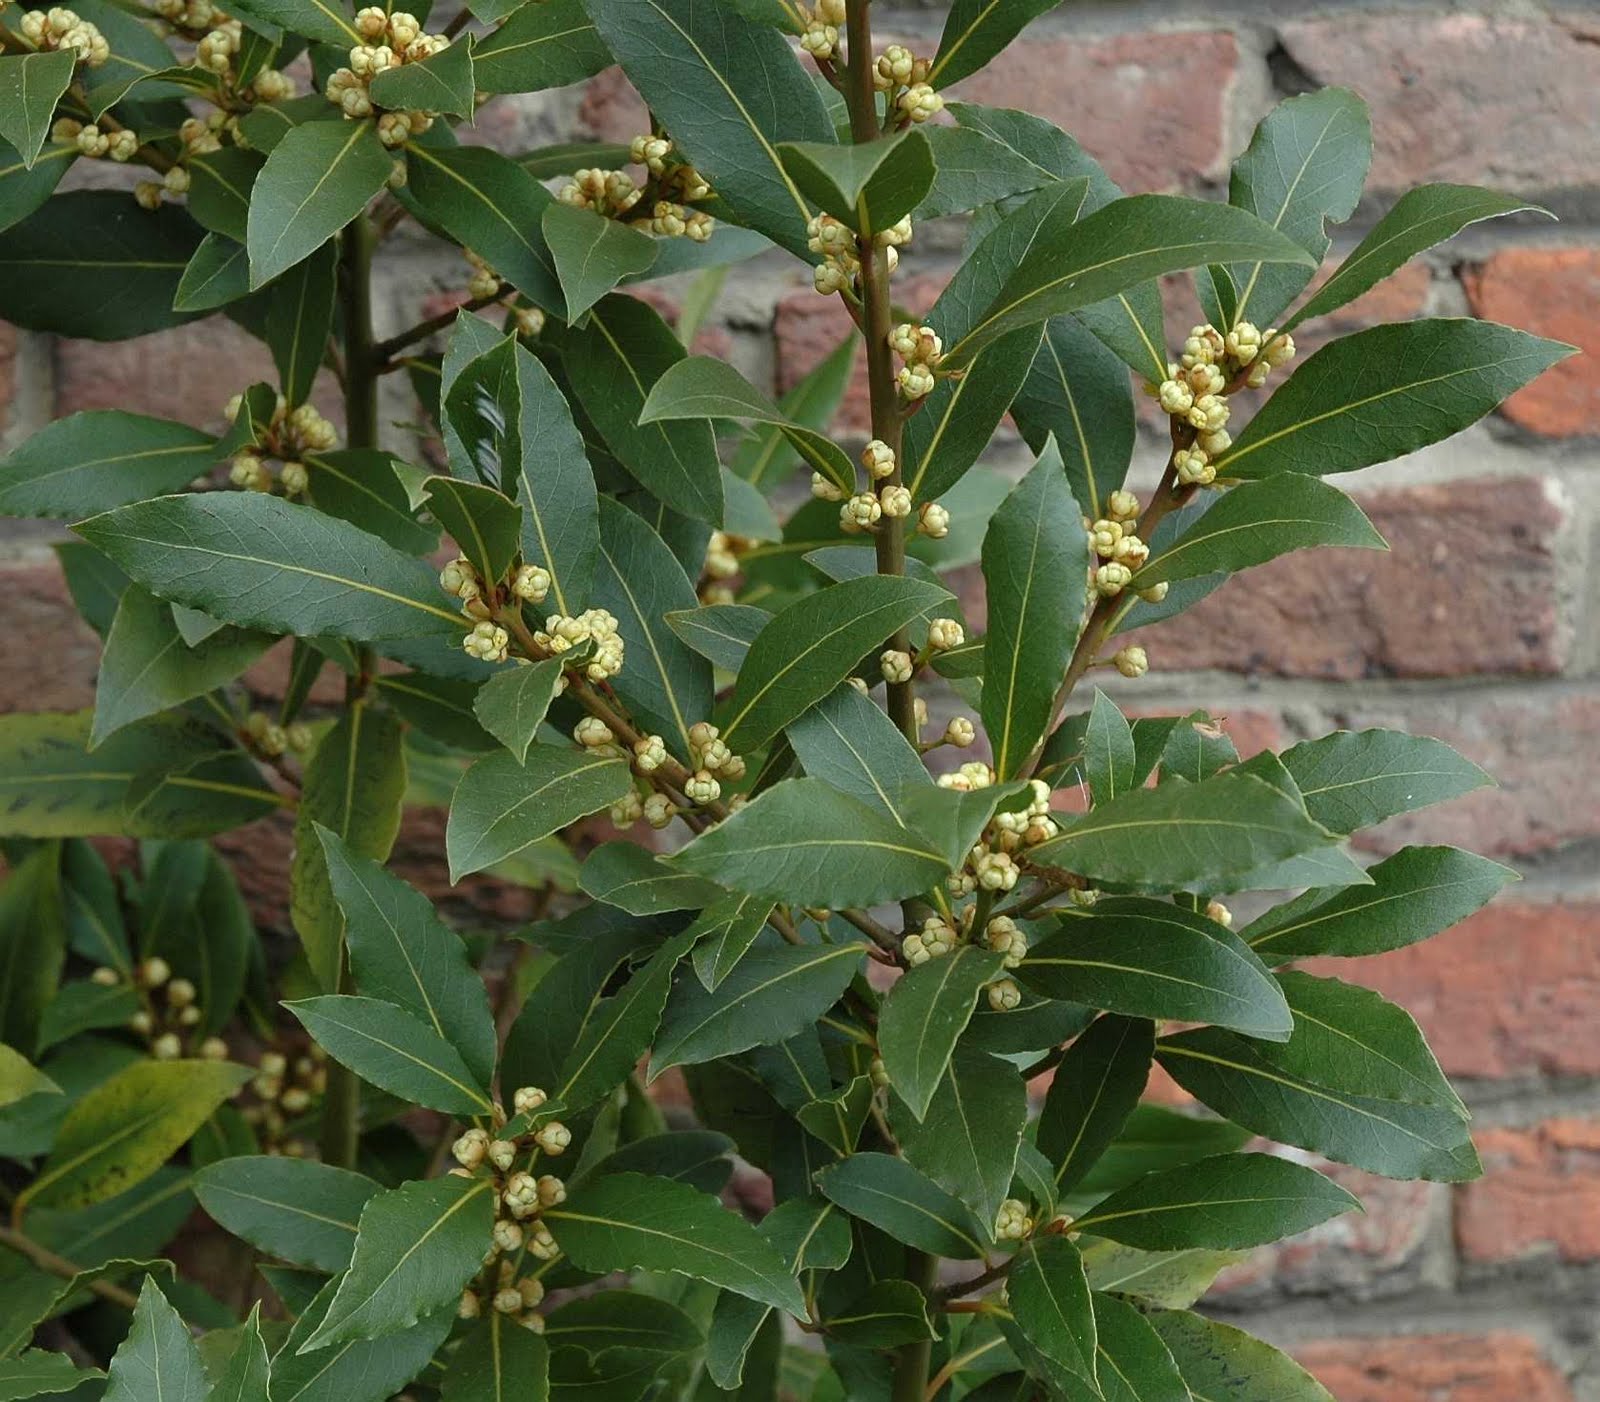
(382, 353)
(47, 1261)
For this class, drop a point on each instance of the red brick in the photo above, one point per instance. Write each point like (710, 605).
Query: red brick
(1554, 292)
(1468, 586)
(1498, 1366)
(1505, 101)
(1152, 107)
(8, 371)
(39, 622)
(710, 339)
(1510, 992)
(1540, 1193)
(610, 109)
(188, 373)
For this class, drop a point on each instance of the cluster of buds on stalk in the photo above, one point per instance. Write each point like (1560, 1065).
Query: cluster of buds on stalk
(269, 739)
(660, 205)
(820, 37)
(287, 437)
(58, 28)
(1211, 366)
(287, 1084)
(510, 1158)
(920, 351)
(721, 565)
(903, 78)
(388, 41)
(1117, 552)
(93, 143)
(168, 1013)
(562, 634)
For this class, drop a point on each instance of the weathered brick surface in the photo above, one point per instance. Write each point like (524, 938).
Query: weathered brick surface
(1511, 992)
(1467, 586)
(1556, 293)
(1493, 1367)
(610, 109)
(48, 655)
(1500, 100)
(8, 371)
(1539, 1196)
(1116, 96)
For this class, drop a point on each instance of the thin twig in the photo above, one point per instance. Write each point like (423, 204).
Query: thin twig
(47, 1261)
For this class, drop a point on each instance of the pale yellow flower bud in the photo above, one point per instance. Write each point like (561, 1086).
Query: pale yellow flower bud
(895, 666)
(1131, 661)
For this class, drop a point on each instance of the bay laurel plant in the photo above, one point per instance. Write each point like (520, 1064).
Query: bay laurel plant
(629, 586)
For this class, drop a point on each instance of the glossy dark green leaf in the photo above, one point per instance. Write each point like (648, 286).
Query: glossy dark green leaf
(614, 361)
(1218, 1360)
(486, 526)
(868, 185)
(886, 1314)
(634, 879)
(539, 46)
(592, 254)
(1049, 1295)
(626, 1221)
(36, 1373)
(1035, 559)
(848, 741)
(158, 1359)
(490, 204)
(972, 169)
(729, 90)
(810, 647)
(721, 633)
(1260, 521)
(1109, 758)
(361, 486)
(298, 1210)
(500, 806)
(299, 318)
(975, 31)
(33, 938)
(498, 1359)
(1414, 895)
(30, 87)
(1385, 1137)
(762, 460)
(512, 703)
(723, 933)
(1147, 958)
(92, 263)
(925, 1014)
(772, 993)
(356, 1370)
(262, 562)
(1305, 165)
(23, 188)
(317, 179)
(219, 190)
(394, 1050)
(1094, 1090)
(806, 843)
(1419, 219)
(83, 1007)
(326, 21)
(218, 273)
(891, 1195)
(442, 82)
(1355, 779)
(1133, 1363)
(1385, 392)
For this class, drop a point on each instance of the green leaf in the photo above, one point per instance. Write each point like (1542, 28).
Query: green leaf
(972, 169)
(219, 193)
(212, 939)
(158, 1359)
(416, 1249)
(499, 1359)
(23, 188)
(147, 666)
(362, 486)
(723, 932)
(703, 387)
(1355, 779)
(1217, 1360)
(30, 87)
(1415, 894)
(245, 1377)
(886, 1314)
(773, 993)
(101, 459)
(354, 1371)
(1133, 1364)
(325, 21)
(975, 31)
(92, 263)
(486, 526)
(539, 46)
(836, 1119)
(1386, 1137)
(1109, 757)
(1035, 562)
(394, 1050)
(634, 879)
(625, 1221)
(812, 403)
(1350, 1038)
(969, 1137)
(639, 580)
(317, 179)
(298, 1210)
(490, 204)
(218, 273)
(33, 938)
(613, 363)
(501, 807)
(868, 186)
(124, 1129)
(729, 90)
(1216, 831)
(1076, 264)
(1169, 1279)
(262, 562)
(298, 321)
(1093, 1092)
(1385, 392)
(891, 1195)
(1147, 958)
(401, 952)
(592, 254)
(721, 633)
(808, 844)
(512, 703)
(923, 1017)
(811, 646)
(355, 783)
(19, 1079)
(35, 1373)
(1049, 1295)
(443, 82)
(1259, 521)
(848, 742)
(1221, 1203)
(1419, 219)
(1305, 165)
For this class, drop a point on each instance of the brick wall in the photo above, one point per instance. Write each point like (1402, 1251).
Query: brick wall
(1478, 627)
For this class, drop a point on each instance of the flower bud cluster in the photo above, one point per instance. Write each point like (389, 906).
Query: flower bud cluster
(390, 41)
(59, 28)
(920, 350)
(484, 284)
(270, 739)
(1116, 540)
(1013, 1223)
(820, 37)
(904, 77)
(673, 185)
(562, 633)
(841, 261)
(95, 144)
(1026, 827)
(192, 17)
(936, 939)
(284, 1088)
(217, 49)
(288, 435)
(933, 521)
(1005, 937)
(1208, 368)
(709, 759)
